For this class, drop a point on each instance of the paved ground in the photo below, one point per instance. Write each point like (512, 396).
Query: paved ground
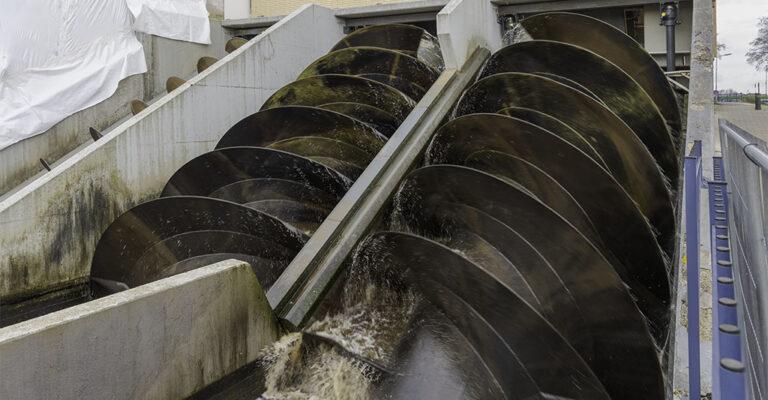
(746, 117)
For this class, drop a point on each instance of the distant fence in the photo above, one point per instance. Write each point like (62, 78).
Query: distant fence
(746, 174)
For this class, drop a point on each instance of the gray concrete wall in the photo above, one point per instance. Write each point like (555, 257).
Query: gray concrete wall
(49, 228)
(168, 57)
(165, 57)
(164, 340)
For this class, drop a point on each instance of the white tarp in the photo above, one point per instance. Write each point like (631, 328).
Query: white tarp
(175, 19)
(58, 57)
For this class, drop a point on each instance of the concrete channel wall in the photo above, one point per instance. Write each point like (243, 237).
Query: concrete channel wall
(164, 340)
(165, 57)
(50, 227)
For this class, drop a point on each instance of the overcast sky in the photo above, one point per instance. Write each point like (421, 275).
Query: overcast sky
(736, 27)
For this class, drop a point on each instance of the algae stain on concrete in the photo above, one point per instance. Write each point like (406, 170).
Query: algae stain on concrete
(58, 251)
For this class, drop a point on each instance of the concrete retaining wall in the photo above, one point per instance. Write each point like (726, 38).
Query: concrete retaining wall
(465, 25)
(164, 340)
(48, 229)
(165, 57)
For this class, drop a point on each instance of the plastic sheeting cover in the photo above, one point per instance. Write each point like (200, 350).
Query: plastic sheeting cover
(58, 57)
(175, 19)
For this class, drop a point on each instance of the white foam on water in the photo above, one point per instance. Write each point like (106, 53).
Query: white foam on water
(371, 323)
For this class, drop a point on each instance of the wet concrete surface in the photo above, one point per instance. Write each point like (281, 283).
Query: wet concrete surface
(45, 304)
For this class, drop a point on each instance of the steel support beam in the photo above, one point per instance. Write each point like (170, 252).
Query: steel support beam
(406, 12)
(507, 7)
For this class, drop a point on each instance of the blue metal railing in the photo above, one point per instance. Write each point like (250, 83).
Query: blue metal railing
(727, 367)
(692, 185)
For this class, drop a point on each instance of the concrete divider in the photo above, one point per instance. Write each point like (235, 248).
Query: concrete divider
(164, 340)
(465, 25)
(48, 230)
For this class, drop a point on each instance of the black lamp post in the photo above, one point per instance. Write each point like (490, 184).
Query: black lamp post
(669, 19)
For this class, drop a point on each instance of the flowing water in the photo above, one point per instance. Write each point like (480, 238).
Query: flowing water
(370, 324)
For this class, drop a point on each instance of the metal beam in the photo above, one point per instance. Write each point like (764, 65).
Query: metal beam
(411, 11)
(251, 23)
(304, 282)
(508, 7)
(391, 19)
(379, 10)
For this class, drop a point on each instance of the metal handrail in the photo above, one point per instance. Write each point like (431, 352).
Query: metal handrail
(751, 149)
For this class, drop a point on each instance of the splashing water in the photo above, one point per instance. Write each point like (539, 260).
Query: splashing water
(371, 323)
(294, 374)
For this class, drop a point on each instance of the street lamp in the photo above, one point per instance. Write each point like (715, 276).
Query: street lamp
(719, 56)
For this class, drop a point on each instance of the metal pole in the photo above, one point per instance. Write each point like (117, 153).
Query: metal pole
(717, 94)
(669, 19)
(670, 48)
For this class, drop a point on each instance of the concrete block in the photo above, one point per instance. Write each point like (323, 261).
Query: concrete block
(49, 229)
(463, 26)
(164, 340)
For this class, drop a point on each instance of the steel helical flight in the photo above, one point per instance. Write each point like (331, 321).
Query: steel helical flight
(541, 222)
(275, 175)
(539, 225)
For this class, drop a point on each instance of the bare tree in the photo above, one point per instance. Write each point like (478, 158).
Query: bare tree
(721, 48)
(758, 48)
